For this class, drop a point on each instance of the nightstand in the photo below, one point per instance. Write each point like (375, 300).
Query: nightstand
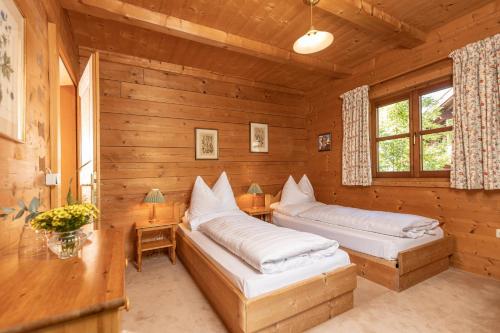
(164, 238)
(263, 213)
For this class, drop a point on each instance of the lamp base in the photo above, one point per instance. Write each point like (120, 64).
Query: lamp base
(254, 205)
(153, 218)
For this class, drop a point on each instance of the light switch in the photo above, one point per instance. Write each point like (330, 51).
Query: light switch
(498, 233)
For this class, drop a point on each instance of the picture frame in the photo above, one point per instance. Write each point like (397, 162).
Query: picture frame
(259, 138)
(206, 144)
(325, 142)
(13, 72)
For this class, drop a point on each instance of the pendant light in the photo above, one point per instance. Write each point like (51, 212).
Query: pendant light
(314, 40)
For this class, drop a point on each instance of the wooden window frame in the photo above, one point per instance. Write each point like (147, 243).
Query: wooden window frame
(415, 132)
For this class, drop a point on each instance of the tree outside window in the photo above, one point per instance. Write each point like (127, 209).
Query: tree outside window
(413, 133)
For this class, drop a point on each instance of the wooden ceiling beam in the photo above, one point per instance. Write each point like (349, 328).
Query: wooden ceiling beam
(365, 15)
(120, 11)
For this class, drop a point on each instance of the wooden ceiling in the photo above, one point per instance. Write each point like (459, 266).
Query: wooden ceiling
(253, 38)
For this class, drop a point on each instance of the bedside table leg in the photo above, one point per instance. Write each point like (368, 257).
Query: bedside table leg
(139, 250)
(171, 250)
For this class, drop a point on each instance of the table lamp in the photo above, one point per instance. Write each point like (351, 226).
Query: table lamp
(254, 189)
(154, 197)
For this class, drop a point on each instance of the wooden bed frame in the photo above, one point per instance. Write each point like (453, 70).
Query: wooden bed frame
(412, 266)
(294, 308)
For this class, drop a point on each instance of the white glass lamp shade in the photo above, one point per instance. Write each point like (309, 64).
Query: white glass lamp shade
(313, 41)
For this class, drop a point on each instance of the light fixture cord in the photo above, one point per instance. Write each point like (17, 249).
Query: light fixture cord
(311, 25)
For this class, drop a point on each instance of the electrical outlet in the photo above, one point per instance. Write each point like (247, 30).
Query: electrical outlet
(498, 233)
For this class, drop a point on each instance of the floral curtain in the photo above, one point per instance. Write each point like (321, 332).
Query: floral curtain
(476, 146)
(356, 163)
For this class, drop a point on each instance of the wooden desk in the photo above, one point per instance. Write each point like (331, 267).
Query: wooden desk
(263, 213)
(81, 294)
(167, 230)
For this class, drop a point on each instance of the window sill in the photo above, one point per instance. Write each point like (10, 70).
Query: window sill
(412, 182)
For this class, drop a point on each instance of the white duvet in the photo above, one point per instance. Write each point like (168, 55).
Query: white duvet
(266, 247)
(387, 223)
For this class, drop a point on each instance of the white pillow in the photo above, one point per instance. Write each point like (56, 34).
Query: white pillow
(274, 205)
(294, 210)
(203, 200)
(306, 187)
(223, 191)
(207, 203)
(292, 194)
(194, 223)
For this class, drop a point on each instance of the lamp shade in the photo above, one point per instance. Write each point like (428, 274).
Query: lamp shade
(254, 189)
(154, 196)
(313, 41)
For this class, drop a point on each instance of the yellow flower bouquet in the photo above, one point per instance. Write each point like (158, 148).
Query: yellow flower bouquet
(66, 218)
(65, 237)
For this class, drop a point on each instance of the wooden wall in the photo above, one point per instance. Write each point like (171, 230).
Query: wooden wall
(148, 117)
(471, 217)
(22, 165)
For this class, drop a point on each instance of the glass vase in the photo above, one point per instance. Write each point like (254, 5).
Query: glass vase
(66, 244)
(32, 243)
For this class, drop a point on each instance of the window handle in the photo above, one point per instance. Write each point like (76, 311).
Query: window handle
(414, 138)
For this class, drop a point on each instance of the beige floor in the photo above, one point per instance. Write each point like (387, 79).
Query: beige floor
(164, 298)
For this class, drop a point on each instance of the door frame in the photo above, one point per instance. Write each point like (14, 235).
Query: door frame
(94, 83)
(56, 52)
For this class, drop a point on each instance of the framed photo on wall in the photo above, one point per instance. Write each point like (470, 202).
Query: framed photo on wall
(207, 144)
(259, 138)
(325, 142)
(12, 71)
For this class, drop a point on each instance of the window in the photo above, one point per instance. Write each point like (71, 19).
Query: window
(412, 133)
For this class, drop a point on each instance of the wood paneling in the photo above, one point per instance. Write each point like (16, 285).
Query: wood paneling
(277, 23)
(280, 22)
(148, 117)
(123, 38)
(428, 15)
(373, 19)
(131, 14)
(22, 165)
(471, 217)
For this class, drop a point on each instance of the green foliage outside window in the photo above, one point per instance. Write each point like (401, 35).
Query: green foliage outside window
(393, 119)
(394, 155)
(436, 112)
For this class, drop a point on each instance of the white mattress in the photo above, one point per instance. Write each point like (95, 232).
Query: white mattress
(251, 282)
(378, 245)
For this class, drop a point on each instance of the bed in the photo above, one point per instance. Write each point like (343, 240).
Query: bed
(394, 262)
(415, 259)
(249, 301)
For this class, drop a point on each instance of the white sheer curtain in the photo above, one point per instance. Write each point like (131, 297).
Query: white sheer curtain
(356, 163)
(476, 145)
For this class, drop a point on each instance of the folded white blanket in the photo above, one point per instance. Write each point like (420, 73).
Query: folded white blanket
(266, 247)
(387, 223)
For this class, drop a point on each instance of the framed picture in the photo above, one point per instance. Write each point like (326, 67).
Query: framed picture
(325, 142)
(259, 138)
(207, 144)
(12, 71)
